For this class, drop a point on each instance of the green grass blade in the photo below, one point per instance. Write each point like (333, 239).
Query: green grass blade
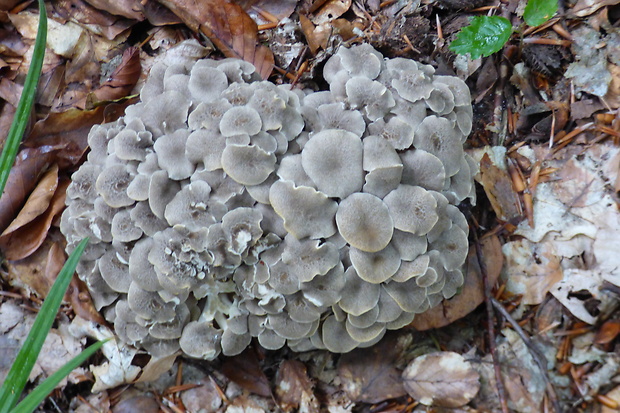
(22, 113)
(34, 399)
(22, 366)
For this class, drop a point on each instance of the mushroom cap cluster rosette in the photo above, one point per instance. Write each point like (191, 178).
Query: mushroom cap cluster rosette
(222, 208)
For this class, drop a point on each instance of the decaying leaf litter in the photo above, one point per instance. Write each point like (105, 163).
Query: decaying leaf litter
(545, 136)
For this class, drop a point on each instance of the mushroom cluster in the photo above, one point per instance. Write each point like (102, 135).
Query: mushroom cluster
(222, 208)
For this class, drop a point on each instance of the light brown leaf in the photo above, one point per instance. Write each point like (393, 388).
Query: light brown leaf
(331, 10)
(121, 81)
(81, 301)
(130, 9)
(369, 375)
(472, 292)
(38, 201)
(245, 370)
(29, 165)
(22, 241)
(498, 187)
(228, 26)
(97, 21)
(442, 379)
(67, 132)
(294, 387)
(31, 273)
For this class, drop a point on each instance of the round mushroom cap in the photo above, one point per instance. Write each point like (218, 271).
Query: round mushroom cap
(201, 340)
(423, 169)
(247, 164)
(438, 137)
(333, 160)
(206, 83)
(335, 336)
(375, 267)
(240, 120)
(358, 296)
(112, 185)
(364, 221)
(306, 212)
(413, 209)
(207, 115)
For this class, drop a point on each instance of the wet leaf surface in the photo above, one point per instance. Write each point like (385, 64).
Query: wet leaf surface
(294, 389)
(442, 379)
(370, 375)
(245, 370)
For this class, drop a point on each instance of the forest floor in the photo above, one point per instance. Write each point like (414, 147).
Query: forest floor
(542, 337)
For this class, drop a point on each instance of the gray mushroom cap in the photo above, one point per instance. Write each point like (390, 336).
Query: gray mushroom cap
(201, 340)
(306, 212)
(423, 169)
(364, 221)
(375, 267)
(112, 184)
(335, 336)
(358, 295)
(437, 136)
(412, 208)
(333, 160)
(247, 164)
(240, 120)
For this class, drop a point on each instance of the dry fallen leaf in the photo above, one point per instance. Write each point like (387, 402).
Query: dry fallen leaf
(498, 187)
(330, 10)
(38, 201)
(443, 379)
(607, 332)
(29, 165)
(472, 292)
(369, 375)
(228, 26)
(33, 274)
(24, 240)
(245, 370)
(67, 132)
(294, 388)
(121, 81)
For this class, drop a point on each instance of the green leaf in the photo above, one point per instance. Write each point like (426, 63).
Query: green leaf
(539, 11)
(22, 366)
(34, 399)
(22, 113)
(484, 36)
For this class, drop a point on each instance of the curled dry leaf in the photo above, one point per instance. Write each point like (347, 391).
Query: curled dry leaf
(472, 293)
(228, 26)
(38, 201)
(369, 375)
(24, 240)
(33, 274)
(294, 387)
(81, 301)
(245, 370)
(66, 132)
(121, 81)
(331, 10)
(443, 379)
(29, 165)
(498, 187)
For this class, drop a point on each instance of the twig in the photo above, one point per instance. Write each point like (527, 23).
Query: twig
(537, 355)
(501, 391)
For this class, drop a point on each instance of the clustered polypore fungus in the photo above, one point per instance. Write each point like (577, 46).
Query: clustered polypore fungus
(222, 208)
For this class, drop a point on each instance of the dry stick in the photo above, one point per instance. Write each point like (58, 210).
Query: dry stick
(537, 355)
(501, 391)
